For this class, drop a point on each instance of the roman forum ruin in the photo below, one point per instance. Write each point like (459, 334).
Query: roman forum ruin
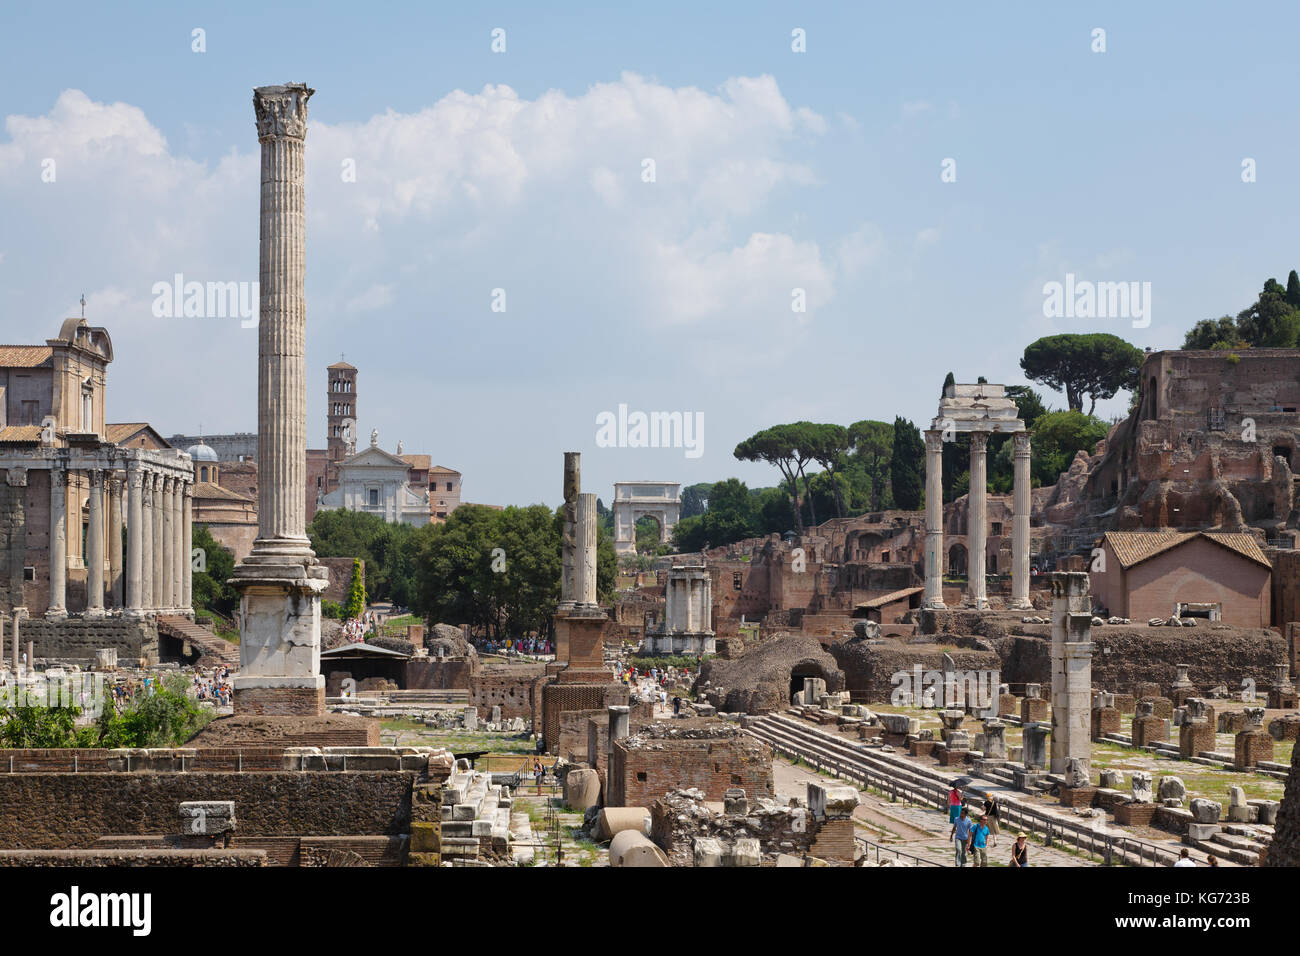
(1091, 645)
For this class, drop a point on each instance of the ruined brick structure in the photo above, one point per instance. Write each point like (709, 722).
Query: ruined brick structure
(707, 755)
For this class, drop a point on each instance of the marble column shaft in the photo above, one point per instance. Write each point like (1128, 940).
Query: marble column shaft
(95, 545)
(178, 542)
(135, 521)
(282, 327)
(58, 548)
(164, 543)
(569, 530)
(586, 553)
(147, 542)
(1020, 523)
(187, 548)
(934, 518)
(978, 520)
(114, 486)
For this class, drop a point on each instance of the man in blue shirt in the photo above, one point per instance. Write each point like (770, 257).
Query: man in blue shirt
(979, 836)
(960, 835)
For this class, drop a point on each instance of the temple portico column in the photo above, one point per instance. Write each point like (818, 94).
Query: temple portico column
(135, 521)
(58, 550)
(114, 486)
(146, 540)
(934, 518)
(1020, 524)
(95, 544)
(177, 542)
(159, 543)
(187, 548)
(977, 529)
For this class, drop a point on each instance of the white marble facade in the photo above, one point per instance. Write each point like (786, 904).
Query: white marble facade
(377, 482)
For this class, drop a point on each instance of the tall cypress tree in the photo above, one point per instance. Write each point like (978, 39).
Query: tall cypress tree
(1293, 290)
(907, 465)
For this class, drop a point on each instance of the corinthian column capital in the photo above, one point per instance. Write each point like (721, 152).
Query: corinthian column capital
(281, 111)
(979, 442)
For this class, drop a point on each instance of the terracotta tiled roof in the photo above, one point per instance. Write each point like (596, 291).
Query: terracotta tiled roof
(122, 431)
(24, 356)
(1134, 547)
(418, 461)
(342, 365)
(20, 433)
(443, 470)
(1244, 544)
(206, 489)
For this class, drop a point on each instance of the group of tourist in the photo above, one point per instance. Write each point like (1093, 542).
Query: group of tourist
(214, 687)
(518, 646)
(974, 833)
(355, 630)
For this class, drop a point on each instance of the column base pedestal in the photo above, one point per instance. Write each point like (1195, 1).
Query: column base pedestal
(280, 697)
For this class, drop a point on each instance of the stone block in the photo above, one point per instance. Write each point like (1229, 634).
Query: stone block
(1202, 831)
(207, 817)
(707, 851)
(745, 851)
(1205, 811)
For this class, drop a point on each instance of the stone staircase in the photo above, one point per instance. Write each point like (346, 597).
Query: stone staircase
(476, 816)
(213, 650)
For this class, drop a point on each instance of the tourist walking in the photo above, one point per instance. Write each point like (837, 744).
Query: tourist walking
(537, 774)
(1020, 851)
(1185, 858)
(960, 835)
(979, 837)
(992, 817)
(954, 803)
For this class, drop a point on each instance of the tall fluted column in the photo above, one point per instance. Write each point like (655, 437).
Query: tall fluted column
(178, 543)
(114, 486)
(586, 556)
(135, 523)
(95, 545)
(1020, 524)
(280, 582)
(17, 655)
(282, 329)
(147, 541)
(58, 549)
(187, 548)
(934, 518)
(569, 533)
(163, 542)
(977, 530)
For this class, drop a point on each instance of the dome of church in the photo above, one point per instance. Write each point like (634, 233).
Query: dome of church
(201, 452)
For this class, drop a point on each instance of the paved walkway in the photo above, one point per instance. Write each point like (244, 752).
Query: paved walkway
(912, 829)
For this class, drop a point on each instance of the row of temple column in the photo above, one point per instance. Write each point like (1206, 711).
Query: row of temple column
(977, 521)
(159, 512)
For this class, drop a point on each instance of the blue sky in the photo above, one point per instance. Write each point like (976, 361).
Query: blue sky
(522, 170)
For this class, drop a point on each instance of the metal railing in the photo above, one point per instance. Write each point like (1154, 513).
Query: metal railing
(869, 848)
(1110, 848)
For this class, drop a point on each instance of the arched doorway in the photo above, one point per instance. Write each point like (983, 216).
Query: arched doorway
(957, 560)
